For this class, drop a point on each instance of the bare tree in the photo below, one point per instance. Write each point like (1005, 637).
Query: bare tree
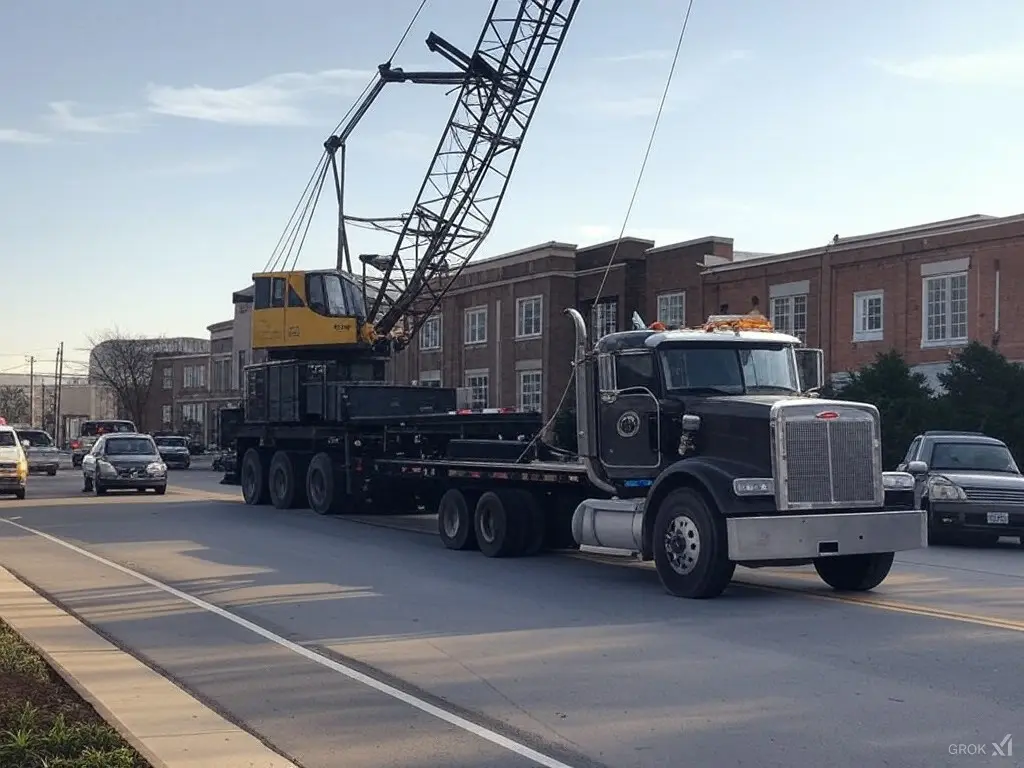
(124, 365)
(14, 405)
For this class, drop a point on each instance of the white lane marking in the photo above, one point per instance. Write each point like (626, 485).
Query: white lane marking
(424, 706)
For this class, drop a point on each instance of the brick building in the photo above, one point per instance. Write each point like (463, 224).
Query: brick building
(923, 290)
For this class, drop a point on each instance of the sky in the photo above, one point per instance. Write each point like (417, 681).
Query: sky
(152, 153)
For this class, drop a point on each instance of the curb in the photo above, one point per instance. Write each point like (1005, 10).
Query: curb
(194, 736)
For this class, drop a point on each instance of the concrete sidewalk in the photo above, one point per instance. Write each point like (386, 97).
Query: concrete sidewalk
(169, 727)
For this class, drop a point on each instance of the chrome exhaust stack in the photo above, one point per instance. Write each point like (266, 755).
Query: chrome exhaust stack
(586, 405)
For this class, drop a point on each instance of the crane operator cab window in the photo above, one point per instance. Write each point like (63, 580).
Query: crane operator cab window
(333, 295)
(274, 292)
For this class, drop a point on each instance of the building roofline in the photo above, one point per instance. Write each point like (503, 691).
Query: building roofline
(179, 355)
(540, 250)
(223, 325)
(606, 243)
(688, 243)
(885, 237)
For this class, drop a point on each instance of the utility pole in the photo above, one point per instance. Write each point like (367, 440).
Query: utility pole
(57, 421)
(56, 389)
(32, 390)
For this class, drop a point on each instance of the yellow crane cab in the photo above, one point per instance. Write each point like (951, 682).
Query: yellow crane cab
(321, 313)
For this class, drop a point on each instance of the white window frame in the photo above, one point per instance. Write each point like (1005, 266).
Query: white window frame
(537, 327)
(430, 333)
(430, 378)
(790, 325)
(194, 377)
(166, 415)
(604, 317)
(665, 301)
(479, 373)
(945, 272)
(469, 325)
(521, 377)
(168, 377)
(862, 321)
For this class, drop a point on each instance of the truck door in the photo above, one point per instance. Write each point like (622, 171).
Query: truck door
(629, 416)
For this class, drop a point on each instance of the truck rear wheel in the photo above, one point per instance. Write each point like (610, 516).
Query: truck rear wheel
(254, 482)
(455, 519)
(497, 526)
(691, 552)
(854, 573)
(286, 482)
(322, 491)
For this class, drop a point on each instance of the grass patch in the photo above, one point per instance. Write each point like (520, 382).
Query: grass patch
(44, 723)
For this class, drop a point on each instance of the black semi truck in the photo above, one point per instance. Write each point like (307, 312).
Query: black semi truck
(700, 449)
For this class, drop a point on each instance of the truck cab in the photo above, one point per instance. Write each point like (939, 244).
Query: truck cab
(716, 451)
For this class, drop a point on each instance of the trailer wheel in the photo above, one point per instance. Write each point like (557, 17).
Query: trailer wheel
(455, 519)
(283, 479)
(691, 552)
(854, 573)
(321, 486)
(254, 483)
(496, 525)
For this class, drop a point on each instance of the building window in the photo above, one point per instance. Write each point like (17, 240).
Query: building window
(241, 370)
(605, 317)
(478, 384)
(867, 316)
(430, 378)
(193, 418)
(430, 333)
(672, 309)
(168, 378)
(945, 310)
(789, 315)
(476, 325)
(530, 397)
(528, 311)
(166, 416)
(194, 377)
(221, 375)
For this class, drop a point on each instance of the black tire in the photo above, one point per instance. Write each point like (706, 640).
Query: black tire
(86, 483)
(691, 551)
(497, 525)
(160, 490)
(51, 472)
(283, 482)
(20, 494)
(323, 491)
(455, 519)
(254, 481)
(854, 573)
(97, 488)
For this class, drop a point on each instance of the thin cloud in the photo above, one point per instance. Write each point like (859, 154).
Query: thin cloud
(64, 118)
(649, 55)
(960, 69)
(216, 166)
(18, 136)
(278, 100)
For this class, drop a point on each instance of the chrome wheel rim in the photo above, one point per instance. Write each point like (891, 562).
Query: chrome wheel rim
(682, 544)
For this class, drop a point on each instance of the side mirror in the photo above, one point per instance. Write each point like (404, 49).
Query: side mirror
(917, 468)
(810, 364)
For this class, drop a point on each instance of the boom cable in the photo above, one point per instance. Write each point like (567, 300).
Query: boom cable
(629, 211)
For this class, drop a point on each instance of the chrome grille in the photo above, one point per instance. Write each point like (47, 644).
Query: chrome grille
(995, 495)
(8, 465)
(827, 462)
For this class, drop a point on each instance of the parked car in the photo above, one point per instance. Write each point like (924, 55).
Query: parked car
(13, 463)
(124, 460)
(970, 485)
(90, 433)
(174, 450)
(43, 455)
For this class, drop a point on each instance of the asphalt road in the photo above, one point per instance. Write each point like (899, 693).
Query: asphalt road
(558, 660)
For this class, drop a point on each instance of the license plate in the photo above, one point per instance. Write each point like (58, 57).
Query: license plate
(998, 518)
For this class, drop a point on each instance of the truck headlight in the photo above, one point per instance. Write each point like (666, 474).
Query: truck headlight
(753, 486)
(156, 468)
(941, 489)
(898, 481)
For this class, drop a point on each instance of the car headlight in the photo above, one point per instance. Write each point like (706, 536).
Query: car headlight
(898, 481)
(941, 489)
(156, 468)
(106, 468)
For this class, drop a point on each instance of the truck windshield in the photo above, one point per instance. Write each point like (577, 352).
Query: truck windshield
(729, 370)
(973, 457)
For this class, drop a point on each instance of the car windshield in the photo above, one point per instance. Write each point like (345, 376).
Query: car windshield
(94, 428)
(730, 370)
(7, 439)
(176, 442)
(130, 446)
(36, 439)
(976, 457)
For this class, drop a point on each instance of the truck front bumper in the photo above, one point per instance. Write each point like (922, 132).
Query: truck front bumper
(807, 537)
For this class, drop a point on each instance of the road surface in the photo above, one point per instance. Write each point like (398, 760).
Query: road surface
(348, 644)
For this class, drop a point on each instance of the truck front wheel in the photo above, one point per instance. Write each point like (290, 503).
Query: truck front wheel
(854, 573)
(691, 552)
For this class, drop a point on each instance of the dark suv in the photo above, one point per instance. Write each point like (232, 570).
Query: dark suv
(970, 485)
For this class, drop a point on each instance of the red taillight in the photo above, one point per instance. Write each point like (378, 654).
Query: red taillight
(75, 444)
